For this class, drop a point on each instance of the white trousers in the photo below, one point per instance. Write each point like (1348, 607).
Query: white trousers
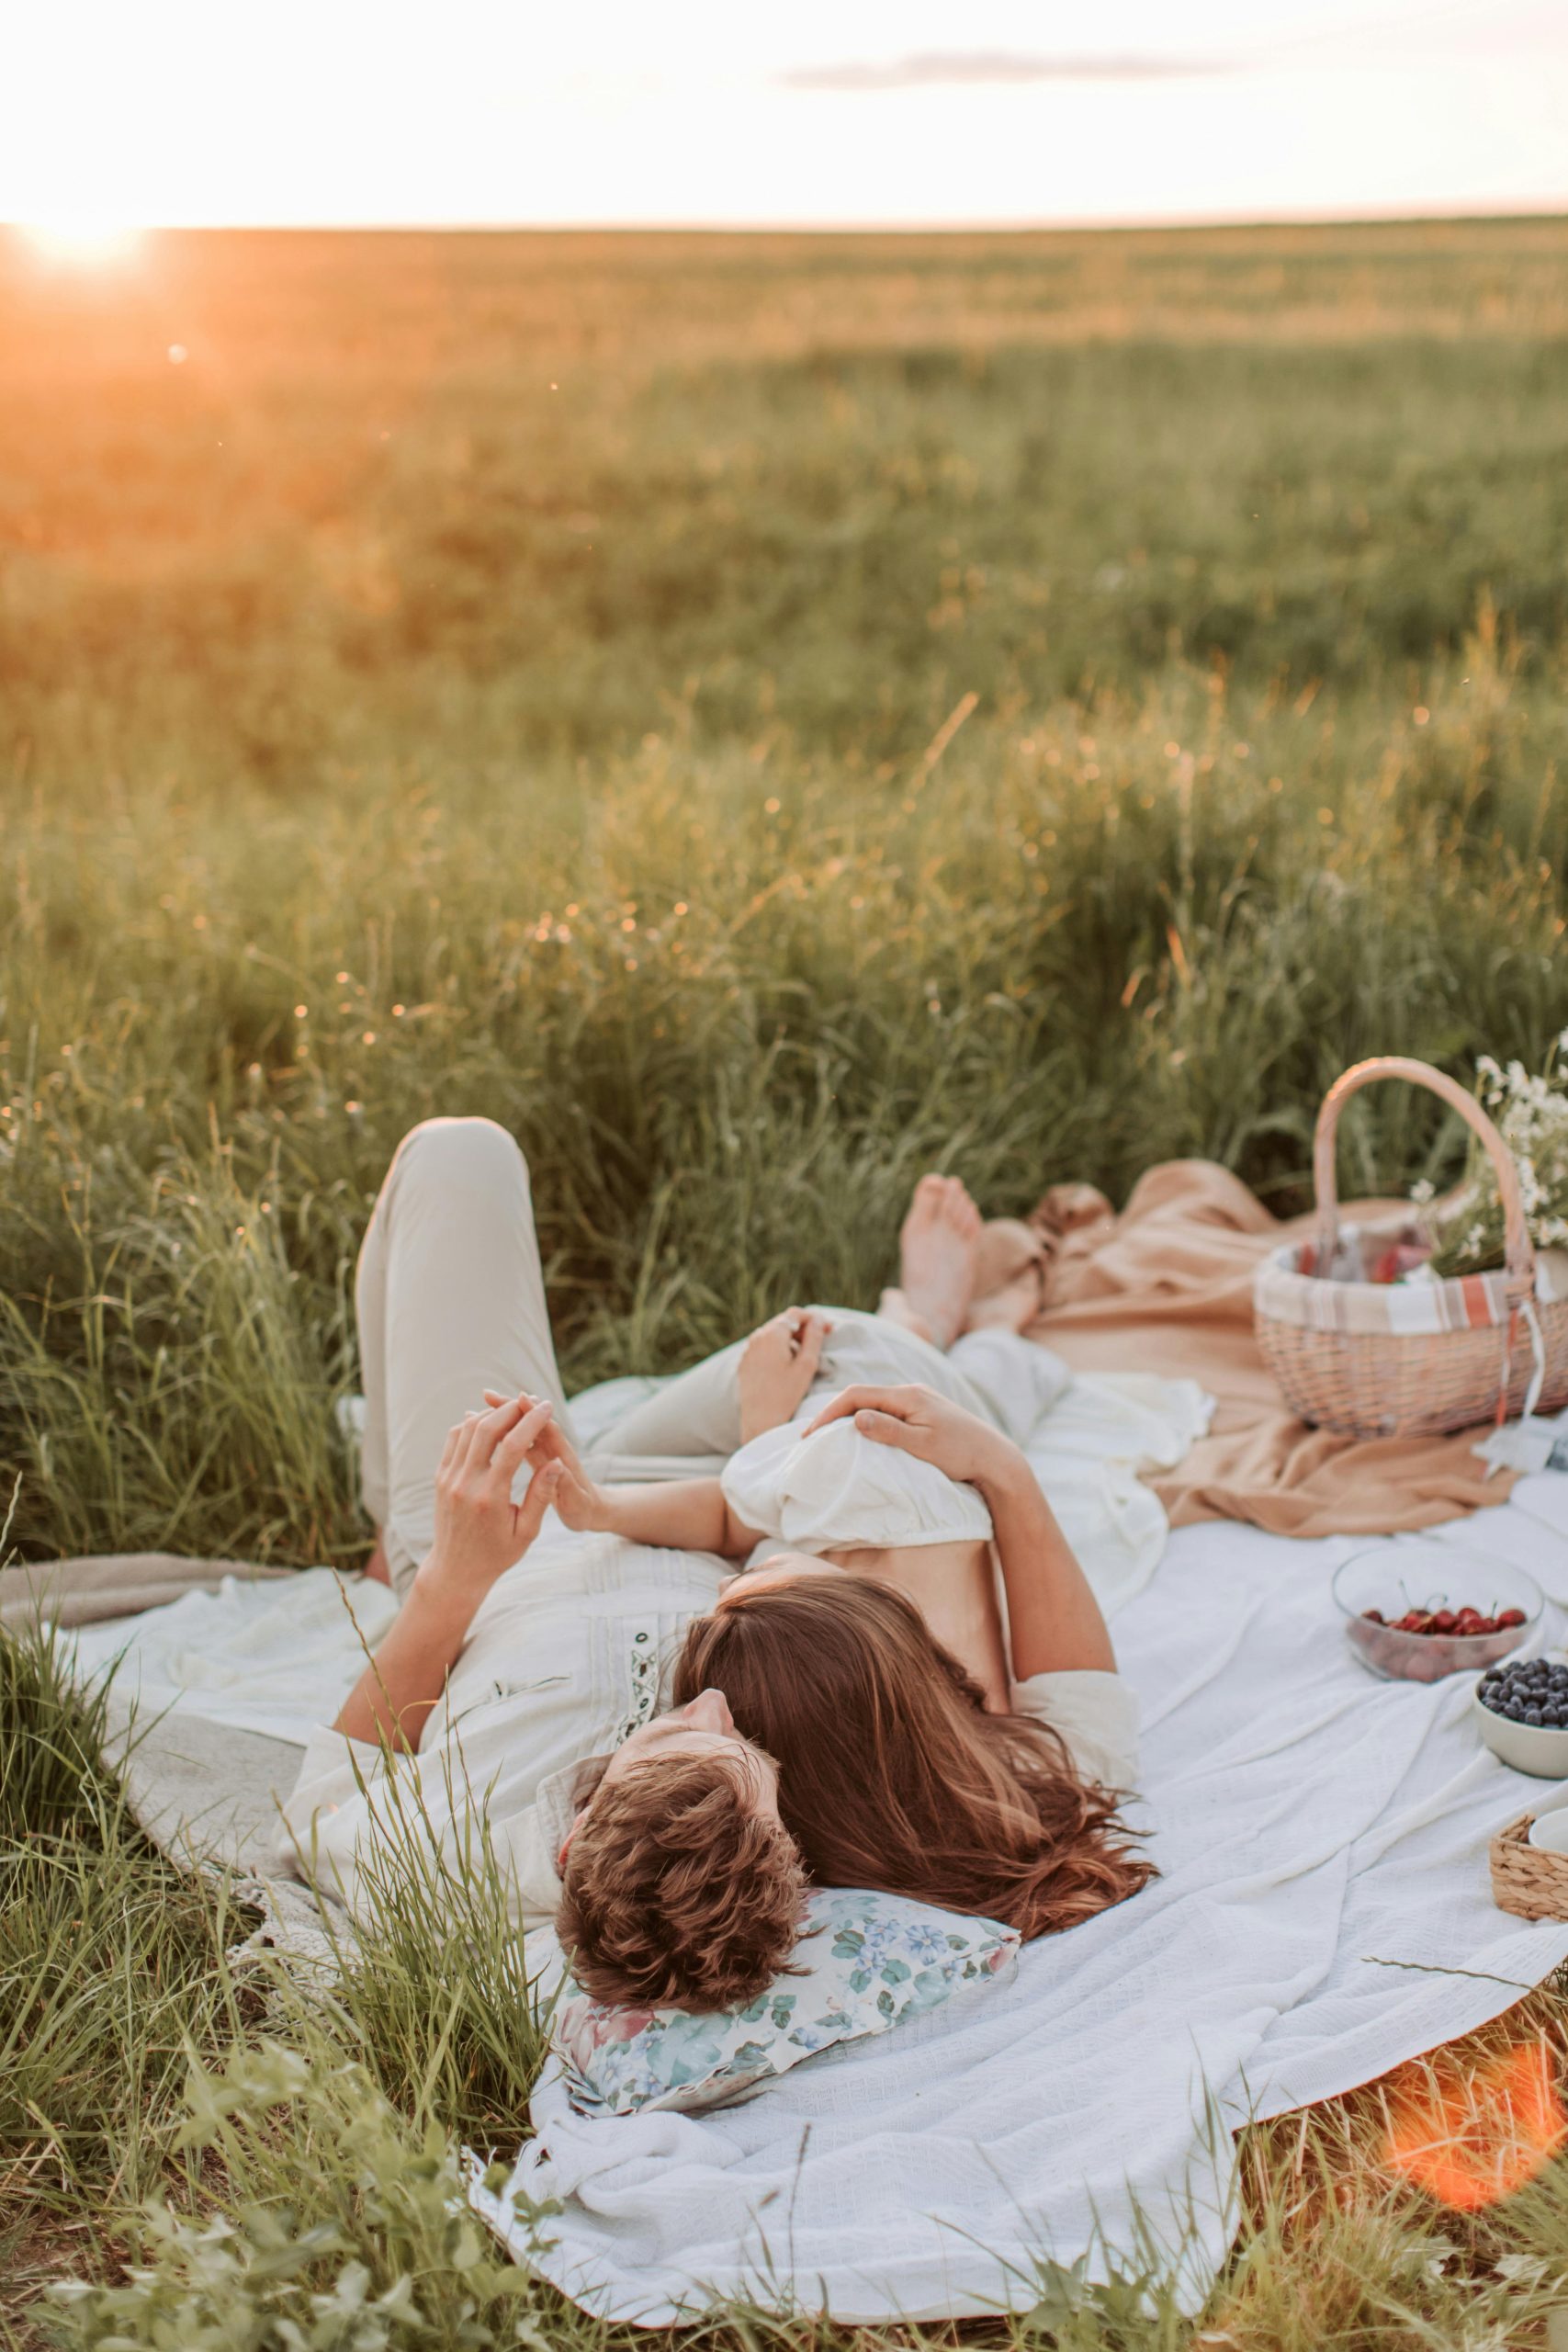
(450, 1299)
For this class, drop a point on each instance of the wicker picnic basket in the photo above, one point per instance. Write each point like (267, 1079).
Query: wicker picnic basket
(1525, 1881)
(1409, 1359)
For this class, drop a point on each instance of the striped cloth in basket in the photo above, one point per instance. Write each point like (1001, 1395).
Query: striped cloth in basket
(1289, 1291)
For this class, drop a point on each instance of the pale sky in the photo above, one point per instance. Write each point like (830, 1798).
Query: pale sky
(814, 112)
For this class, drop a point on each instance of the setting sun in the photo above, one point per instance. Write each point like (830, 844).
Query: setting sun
(86, 242)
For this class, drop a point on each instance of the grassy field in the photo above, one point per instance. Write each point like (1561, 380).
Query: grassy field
(760, 717)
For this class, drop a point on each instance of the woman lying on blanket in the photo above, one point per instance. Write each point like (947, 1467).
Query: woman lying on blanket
(655, 1747)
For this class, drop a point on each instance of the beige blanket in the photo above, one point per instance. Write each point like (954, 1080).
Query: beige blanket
(111, 1584)
(1166, 1287)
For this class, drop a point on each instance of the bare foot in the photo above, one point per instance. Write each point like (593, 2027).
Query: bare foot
(937, 1245)
(1010, 1277)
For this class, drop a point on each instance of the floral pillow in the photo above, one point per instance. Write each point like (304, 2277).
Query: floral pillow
(866, 1961)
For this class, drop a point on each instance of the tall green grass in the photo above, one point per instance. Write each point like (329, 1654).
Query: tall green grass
(110, 1972)
(732, 1005)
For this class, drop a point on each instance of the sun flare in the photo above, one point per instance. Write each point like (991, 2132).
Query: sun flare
(82, 243)
(1472, 2136)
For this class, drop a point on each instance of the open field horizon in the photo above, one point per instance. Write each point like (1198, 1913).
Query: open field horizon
(759, 716)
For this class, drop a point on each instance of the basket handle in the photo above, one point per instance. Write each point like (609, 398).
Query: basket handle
(1518, 1249)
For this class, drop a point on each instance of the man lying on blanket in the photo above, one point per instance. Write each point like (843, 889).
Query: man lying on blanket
(666, 1747)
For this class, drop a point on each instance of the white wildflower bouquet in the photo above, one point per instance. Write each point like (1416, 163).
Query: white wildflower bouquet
(1531, 1115)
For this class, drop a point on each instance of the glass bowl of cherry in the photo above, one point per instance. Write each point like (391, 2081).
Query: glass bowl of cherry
(1416, 1610)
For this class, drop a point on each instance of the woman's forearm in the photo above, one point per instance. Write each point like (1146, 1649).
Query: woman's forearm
(405, 1678)
(678, 1514)
(1054, 1617)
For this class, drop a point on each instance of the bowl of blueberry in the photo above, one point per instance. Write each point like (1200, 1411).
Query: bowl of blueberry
(1522, 1711)
(1416, 1610)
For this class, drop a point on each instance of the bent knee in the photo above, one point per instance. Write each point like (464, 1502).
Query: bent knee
(466, 1151)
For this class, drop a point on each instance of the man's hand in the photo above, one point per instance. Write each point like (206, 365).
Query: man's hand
(480, 1531)
(778, 1366)
(917, 1421)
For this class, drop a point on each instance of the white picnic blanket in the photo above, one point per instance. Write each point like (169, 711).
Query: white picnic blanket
(274, 1658)
(1325, 1912)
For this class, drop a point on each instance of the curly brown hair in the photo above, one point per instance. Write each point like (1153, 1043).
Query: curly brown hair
(677, 1890)
(891, 1771)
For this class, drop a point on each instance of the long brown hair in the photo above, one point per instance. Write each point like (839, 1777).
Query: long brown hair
(891, 1772)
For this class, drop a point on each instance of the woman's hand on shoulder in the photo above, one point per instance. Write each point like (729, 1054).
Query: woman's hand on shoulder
(480, 1531)
(778, 1365)
(917, 1420)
